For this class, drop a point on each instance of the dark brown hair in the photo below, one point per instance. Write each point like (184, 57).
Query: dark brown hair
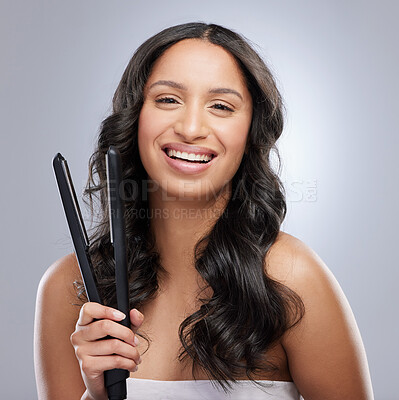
(248, 311)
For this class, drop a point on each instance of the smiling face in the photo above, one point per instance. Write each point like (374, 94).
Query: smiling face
(195, 119)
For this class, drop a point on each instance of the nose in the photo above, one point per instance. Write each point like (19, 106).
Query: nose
(192, 124)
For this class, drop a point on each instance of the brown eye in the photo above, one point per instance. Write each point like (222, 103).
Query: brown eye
(222, 107)
(166, 100)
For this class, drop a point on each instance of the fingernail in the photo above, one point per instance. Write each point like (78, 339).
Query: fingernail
(119, 315)
(140, 315)
(139, 361)
(136, 341)
(136, 368)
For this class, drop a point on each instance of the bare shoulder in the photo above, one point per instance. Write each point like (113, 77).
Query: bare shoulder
(57, 282)
(57, 310)
(296, 265)
(291, 260)
(65, 269)
(325, 347)
(293, 263)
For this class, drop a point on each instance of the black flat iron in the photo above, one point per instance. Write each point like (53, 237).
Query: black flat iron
(115, 379)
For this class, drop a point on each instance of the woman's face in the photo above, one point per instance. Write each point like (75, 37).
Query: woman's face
(194, 122)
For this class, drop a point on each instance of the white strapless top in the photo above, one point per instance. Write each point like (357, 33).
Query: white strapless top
(148, 389)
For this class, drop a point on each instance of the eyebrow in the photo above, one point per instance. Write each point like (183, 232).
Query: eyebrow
(180, 86)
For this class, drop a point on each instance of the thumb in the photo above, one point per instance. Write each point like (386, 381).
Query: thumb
(136, 319)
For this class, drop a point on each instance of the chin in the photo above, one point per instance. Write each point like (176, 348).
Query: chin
(198, 191)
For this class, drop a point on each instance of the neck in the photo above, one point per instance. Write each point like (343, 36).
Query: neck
(177, 226)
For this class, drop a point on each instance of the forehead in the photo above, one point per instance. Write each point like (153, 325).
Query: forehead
(199, 61)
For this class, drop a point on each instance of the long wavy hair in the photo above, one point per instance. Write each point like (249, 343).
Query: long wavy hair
(248, 311)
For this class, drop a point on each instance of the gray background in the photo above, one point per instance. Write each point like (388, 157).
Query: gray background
(337, 65)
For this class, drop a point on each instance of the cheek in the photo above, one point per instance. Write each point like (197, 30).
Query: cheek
(151, 124)
(235, 138)
(144, 125)
(144, 137)
(147, 128)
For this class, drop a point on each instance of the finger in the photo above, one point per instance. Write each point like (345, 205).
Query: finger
(91, 311)
(136, 319)
(114, 346)
(105, 327)
(98, 364)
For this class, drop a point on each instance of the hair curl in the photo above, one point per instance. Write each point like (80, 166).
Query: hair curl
(248, 311)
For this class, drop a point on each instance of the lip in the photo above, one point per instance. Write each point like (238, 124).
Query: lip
(197, 150)
(187, 167)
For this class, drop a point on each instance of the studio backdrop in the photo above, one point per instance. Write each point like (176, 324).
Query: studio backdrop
(337, 67)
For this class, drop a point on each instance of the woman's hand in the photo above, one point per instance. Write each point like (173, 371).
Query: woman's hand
(96, 356)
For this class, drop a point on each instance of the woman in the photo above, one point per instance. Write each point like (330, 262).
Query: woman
(220, 297)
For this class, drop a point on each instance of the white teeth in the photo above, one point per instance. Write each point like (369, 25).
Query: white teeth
(188, 156)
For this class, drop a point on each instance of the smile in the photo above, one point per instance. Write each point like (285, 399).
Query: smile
(190, 157)
(186, 162)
